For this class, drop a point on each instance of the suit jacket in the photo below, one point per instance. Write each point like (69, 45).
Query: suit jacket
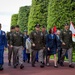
(28, 45)
(3, 39)
(51, 42)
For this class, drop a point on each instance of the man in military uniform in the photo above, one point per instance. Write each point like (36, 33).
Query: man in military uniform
(44, 32)
(10, 48)
(18, 44)
(66, 39)
(37, 45)
(3, 43)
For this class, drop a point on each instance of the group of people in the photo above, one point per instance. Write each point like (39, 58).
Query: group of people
(38, 46)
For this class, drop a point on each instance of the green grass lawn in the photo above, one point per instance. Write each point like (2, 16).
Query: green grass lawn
(73, 57)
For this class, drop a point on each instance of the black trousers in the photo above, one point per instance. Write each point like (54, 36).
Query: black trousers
(28, 57)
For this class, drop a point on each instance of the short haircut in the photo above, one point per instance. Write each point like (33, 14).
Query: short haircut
(12, 27)
(17, 26)
(0, 24)
(50, 30)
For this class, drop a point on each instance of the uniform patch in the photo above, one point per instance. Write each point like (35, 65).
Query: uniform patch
(41, 34)
(3, 33)
(15, 35)
(34, 34)
(10, 34)
(21, 35)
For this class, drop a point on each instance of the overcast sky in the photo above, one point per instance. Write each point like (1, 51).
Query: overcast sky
(9, 7)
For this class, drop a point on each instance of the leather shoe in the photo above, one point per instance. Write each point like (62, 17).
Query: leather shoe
(71, 66)
(21, 67)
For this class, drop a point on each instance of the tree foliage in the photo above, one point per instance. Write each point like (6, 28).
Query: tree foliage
(38, 14)
(23, 17)
(60, 12)
(14, 19)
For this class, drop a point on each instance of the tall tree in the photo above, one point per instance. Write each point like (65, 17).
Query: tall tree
(23, 17)
(38, 14)
(14, 19)
(60, 12)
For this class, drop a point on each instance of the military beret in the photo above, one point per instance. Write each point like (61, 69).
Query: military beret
(37, 25)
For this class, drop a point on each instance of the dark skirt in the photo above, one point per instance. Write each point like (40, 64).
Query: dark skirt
(52, 51)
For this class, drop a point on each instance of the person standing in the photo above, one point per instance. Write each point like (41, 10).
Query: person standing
(45, 33)
(37, 45)
(59, 44)
(3, 45)
(24, 51)
(51, 43)
(18, 44)
(66, 38)
(28, 48)
(10, 48)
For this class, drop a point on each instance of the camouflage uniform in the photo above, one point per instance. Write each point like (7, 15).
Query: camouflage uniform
(44, 41)
(66, 37)
(18, 43)
(37, 39)
(10, 49)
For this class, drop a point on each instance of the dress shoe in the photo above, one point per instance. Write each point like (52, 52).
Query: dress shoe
(42, 66)
(61, 64)
(71, 66)
(23, 60)
(33, 65)
(1, 68)
(22, 66)
(56, 66)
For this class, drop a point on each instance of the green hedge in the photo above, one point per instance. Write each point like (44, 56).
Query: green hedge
(38, 14)
(60, 12)
(23, 17)
(14, 19)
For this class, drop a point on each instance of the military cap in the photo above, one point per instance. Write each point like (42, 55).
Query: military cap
(37, 25)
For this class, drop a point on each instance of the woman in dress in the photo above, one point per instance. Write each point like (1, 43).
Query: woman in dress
(51, 43)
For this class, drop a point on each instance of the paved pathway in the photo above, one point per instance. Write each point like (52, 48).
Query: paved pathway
(28, 70)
